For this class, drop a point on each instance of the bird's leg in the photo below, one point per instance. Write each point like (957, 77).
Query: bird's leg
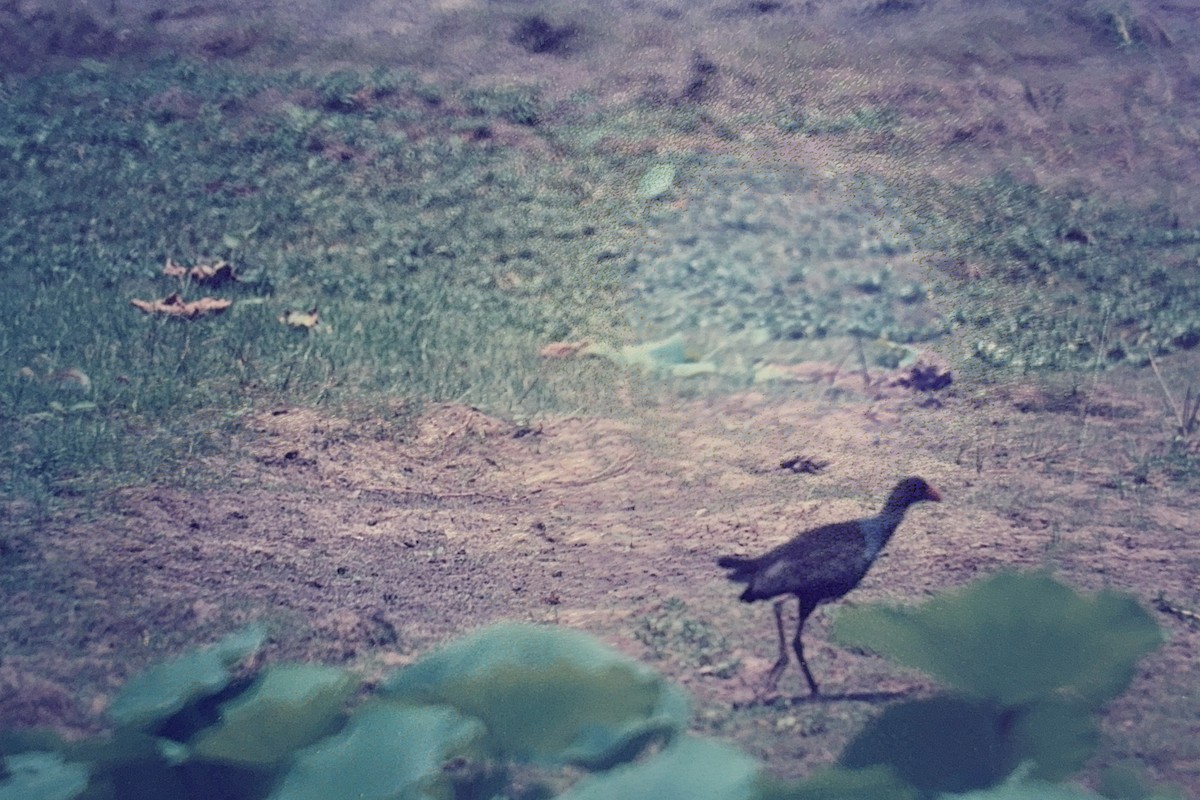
(805, 610)
(781, 664)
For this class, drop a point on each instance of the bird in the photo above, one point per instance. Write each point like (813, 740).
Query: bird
(821, 565)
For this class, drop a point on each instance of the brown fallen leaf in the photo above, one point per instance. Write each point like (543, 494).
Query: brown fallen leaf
(562, 349)
(301, 319)
(174, 306)
(216, 273)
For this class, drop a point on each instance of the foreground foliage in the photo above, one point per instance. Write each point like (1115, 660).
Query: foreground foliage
(1030, 661)
(519, 711)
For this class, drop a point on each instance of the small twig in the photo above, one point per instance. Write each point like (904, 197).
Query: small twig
(1167, 607)
(862, 360)
(1191, 410)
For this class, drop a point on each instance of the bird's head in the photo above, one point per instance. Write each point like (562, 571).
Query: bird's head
(912, 490)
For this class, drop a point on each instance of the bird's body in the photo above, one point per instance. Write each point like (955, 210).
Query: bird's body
(821, 565)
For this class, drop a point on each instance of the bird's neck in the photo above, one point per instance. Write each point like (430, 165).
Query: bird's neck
(879, 528)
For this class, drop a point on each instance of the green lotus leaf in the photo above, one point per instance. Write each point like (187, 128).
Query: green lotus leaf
(42, 776)
(290, 706)
(547, 695)
(837, 783)
(386, 752)
(692, 768)
(943, 744)
(1028, 790)
(956, 744)
(1128, 781)
(1014, 639)
(133, 765)
(28, 740)
(164, 689)
(1054, 738)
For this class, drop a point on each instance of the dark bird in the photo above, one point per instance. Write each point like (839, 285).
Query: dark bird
(821, 565)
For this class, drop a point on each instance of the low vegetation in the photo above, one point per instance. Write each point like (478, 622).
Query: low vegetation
(380, 245)
(1051, 281)
(374, 254)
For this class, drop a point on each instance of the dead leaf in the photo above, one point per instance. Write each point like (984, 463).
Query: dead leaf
(923, 377)
(72, 378)
(174, 306)
(804, 464)
(301, 319)
(215, 273)
(562, 349)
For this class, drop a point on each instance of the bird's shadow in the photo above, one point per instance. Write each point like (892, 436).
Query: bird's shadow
(858, 697)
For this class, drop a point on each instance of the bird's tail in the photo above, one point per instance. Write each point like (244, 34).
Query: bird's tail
(740, 569)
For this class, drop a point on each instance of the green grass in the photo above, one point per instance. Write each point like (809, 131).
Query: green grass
(670, 631)
(1068, 281)
(439, 265)
(440, 262)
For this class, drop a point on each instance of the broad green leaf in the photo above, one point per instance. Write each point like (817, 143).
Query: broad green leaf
(547, 695)
(691, 768)
(950, 744)
(943, 744)
(28, 740)
(42, 776)
(1031, 790)
(289, 707)
(836, 783)
(164, 689)
(1127, 781)
(1054, 738)
(132, 765)
(1014, 639)
(386, 752)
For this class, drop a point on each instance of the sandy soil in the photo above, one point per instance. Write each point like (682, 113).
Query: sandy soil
(368, 541)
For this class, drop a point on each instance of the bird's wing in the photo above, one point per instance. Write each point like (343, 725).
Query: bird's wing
(822, 563)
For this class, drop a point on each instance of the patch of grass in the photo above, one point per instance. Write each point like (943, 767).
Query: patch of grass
(1186, 413)
(1177, 461)
(669, 632)
(1065, 281)
(33, 35)
(867, 119)
(438, 265)
(521, 105)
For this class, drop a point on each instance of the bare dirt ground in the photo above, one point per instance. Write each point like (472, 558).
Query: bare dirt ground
(368, 541)
(366, 546)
